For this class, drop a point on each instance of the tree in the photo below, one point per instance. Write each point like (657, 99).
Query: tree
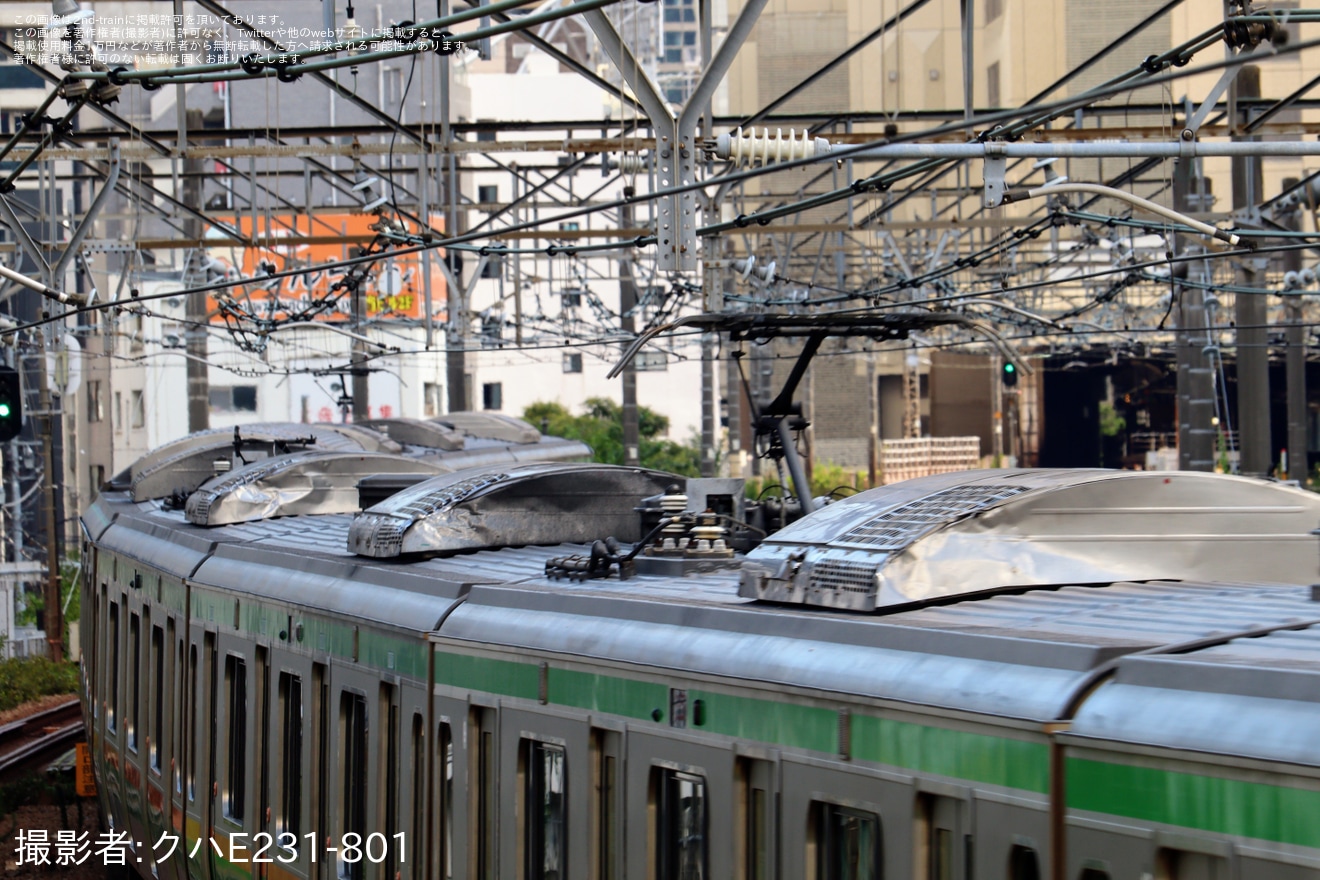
(601, 427)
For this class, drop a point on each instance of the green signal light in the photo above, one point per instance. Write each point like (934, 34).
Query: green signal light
(4, 410)
(1009, 368)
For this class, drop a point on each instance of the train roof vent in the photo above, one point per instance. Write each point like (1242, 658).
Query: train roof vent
(416, 432)
(956, 534)
(490, 426)
(153, 475)
(289, 485)
(550, 503)
(370, 439)
(896, 529)
(196, 461)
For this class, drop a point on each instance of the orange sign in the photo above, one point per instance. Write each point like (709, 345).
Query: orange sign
(393, 287)
(84, 780)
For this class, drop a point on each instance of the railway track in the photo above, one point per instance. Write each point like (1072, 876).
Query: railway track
(28, 738)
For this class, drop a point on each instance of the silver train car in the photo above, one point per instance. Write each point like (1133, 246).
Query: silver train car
(305, 669)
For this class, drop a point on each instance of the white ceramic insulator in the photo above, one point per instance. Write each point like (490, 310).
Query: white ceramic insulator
(630, 163)
(764, 148)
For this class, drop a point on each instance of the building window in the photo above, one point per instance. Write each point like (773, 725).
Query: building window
(492, 395)
(431, 399)
(138, 410)
(847, 843)
(353, 773)
(118, 412)
(237, 398)
(95, 404)
(291, 717)
(992, 96)
(488, 195)
(573, 363)
(393, 84)
(572, 298)
(545, 811)
(681, 832)
(651, 361)
(236, 688)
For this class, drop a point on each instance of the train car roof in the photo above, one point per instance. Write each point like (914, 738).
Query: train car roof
(1027, 653)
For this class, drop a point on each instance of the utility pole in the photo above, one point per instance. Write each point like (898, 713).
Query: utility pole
(873, 436)
(1295, 357)
(627, 303)
(358, 358)
(455, 333)
(1196, 391)
(195, 310)
(712, 281)
(53, 615)
(1253, 356)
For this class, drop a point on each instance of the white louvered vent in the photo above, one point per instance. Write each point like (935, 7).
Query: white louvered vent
(897, 529)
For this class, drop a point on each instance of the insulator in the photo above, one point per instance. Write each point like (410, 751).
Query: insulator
(673, 503)
(352, 31)
(629, 163)
(751, 148)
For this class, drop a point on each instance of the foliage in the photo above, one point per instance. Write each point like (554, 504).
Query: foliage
(826, 478)
(601, 428)
(25, 679)
(1111, 423)
(70, 597)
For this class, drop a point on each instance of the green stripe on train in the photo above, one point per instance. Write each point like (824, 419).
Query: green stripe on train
(606, 693)
(803, 727)
(1206, 803)
(993, 760)
(979, 757)
(503, 677)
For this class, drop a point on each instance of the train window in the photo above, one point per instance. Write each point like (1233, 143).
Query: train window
(236, 688)
(943, 846)
(1174, 864)
(942, 855)
(485, 804)
(134, 672)
(291, 734)
(1093, 874)
(847, 843)
(681, 832)
(445, 758)
(389, 771)
(545, 833)
(413, 855)
(758, 849)
(112, 711)
(353, 773)
(192, 752)
(157, 697)
(176, 761)
(605, 747)
(1023, 863)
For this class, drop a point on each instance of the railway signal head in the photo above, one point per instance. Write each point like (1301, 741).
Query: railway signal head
(1009, 374)
(11, 404)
